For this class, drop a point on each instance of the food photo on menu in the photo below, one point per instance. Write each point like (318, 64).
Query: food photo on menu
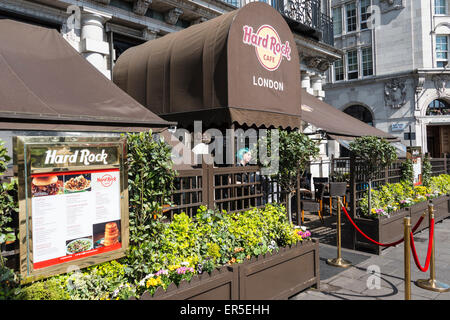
(77, 183)
(49, 185)
(78, 245)
(106, 234)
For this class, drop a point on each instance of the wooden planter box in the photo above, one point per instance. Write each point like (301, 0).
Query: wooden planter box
(388, 230)
(282, 274)
(221, 284)
(272, 276)
(416, 211)
(384, 230)
(441, 208)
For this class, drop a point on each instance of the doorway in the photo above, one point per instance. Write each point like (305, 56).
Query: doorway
(438, 140)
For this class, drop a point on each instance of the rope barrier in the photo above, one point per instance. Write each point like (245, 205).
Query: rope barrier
(430, 247)
(376, 242)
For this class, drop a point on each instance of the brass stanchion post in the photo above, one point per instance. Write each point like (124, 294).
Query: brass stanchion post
(339, 262)
(432, 284)
(407, 257)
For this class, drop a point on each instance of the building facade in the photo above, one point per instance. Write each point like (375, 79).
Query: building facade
(394, 70)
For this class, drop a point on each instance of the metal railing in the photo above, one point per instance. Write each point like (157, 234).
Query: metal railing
(302, 15)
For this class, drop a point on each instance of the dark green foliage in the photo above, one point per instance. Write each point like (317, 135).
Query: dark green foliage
(408, 171)
(376, 152)
(296, 152)
(150, 181)
(426, 171)
(50, 289)
(8, 201)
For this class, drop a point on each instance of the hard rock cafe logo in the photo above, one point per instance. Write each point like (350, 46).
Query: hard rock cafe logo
(268, 46)
(107, 180)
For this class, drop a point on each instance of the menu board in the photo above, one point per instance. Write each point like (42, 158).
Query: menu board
(415, 154)
(75, 215)
(73, 202)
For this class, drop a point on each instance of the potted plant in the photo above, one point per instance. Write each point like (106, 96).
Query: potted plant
(295, 152)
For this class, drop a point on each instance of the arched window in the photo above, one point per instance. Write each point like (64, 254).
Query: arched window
(361, 113)
(438, 108)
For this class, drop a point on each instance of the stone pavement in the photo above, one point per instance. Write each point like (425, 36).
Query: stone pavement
(352, 283)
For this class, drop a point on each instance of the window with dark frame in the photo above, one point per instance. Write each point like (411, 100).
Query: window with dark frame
(367, 61)
(438, 107)
(440, 7)
(350, 15)
(352, 65)
(441, 51)
(338, 70)
(337, 21)
(364, 13)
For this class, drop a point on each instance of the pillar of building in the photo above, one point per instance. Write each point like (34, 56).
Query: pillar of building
(93, 45)
(305, 81)
(316, 84)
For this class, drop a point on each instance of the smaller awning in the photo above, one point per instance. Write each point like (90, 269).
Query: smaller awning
(337, 124)
(45, 84)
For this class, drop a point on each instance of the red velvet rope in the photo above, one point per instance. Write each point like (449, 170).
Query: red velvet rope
(376, 242)
(430, 247)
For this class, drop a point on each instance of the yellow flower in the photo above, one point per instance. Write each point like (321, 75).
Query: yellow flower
(153, 282)
(174, 267)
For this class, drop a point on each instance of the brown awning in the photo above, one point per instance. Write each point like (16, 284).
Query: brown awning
(45, 84)
(240, 67)
(337, 124)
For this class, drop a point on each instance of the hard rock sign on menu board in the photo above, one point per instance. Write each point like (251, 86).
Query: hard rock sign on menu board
(73, 202)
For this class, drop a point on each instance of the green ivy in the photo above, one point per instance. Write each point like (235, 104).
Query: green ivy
(427, 170)
(407, 171)
(150, 181)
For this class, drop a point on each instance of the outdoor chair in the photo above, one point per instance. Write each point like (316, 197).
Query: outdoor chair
(310, 206)
(337, 189)
(320, 191)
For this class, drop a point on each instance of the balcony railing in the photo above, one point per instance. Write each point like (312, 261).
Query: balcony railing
(303, 16)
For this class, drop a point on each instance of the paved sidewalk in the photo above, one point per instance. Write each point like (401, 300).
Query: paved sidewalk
(352, 283)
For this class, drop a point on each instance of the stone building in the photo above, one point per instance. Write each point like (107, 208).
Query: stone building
(394, 70)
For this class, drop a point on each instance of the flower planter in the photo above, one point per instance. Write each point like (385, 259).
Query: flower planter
(416, 211)
(441, 207)
(390, 229)
(272, 276)
(383, 229)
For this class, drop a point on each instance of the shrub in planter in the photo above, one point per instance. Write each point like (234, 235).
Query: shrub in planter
(50, 289)
(214, 239)
(394, 196)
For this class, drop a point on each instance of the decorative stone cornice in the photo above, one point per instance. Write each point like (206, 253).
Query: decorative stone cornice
(317, 62)
(389, 5)
(172, 15)
(395, 93)
(149, 34)
(198, 20)
(420, 84)
(440, 83)
(140, 7)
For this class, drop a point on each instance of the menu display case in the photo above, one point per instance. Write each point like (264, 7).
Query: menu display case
(73, 202)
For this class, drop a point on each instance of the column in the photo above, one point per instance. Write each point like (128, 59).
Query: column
(93, 45)
(306, 81)
(316, 82)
